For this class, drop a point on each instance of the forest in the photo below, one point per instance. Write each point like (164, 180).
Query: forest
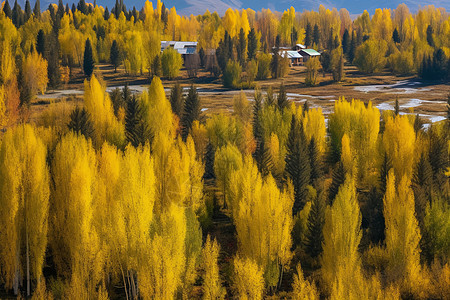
(147, 196)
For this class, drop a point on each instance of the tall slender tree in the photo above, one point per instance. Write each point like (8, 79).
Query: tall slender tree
(27, 10)
(316, 35)
(314, 233)
(298, 168)
(252, 44)
(308, 35)
(88, 59)
(191, 111)
(80, 122)
(37, 9)
(177, 100)
(115, 57)
(282, 99)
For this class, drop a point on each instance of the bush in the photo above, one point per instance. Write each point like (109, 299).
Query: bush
(370, 56)
(232, 75)
(252, 71)
(171, 62)
(284, 67)
(401, 62)
(312, 70)
(263, 60)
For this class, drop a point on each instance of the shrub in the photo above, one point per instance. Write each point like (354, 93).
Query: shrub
(312, 70)
(232, 75)
(263, 60)
(252, 71)
(171, 62)
(401, 62)
(370, 56)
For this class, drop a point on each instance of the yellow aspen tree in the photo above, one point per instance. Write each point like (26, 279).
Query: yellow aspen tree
(242, 108)
(99, 106)
(171, 62)
(314, 127)
(402, 232)
(248, 279)
(35, 73)
(161, 274)
(302, 288)
(382, 24)
(226, 160)
(74, 239)
(347, 156)
(71, 40)
(110, 217)
(158, 111)
(3, 116)
(7, 66)
(263, 218)
(212, 287)
(362, 125)
(137, 198)
(178, 172)
(276, 155)
(8, 77)
(223, 130)
(230, 22)
(341, 265)
(24, 205)
(200, 137)
(399, 141)
(244, 23)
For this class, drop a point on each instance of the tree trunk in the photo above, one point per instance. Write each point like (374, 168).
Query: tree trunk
(28, 265)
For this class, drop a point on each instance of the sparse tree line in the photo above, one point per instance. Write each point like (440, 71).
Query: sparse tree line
(120, 198)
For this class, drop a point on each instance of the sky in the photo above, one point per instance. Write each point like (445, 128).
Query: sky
(195, 7)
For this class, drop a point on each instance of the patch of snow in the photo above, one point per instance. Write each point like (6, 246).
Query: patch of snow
(400, 87)
(385, 106)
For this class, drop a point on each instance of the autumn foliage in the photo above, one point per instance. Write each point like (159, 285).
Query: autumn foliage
(135, 196)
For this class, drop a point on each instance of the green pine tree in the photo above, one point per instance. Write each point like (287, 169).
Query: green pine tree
(88, 59)
(37, 9)
(282, 100)
(316, 36)
(28, 11)
(115, 57)
(315, 160)
(209, 161)
(396, 107)
(137, 131)
(177, 100)
(270, 99)
(384, 171)
(338, 178)
(298, 167)
(40, 42)
(80, 122)
(252, 44)
(314, 233)
(191, 111)
(308, 35)
(241, 47)
(373, 216)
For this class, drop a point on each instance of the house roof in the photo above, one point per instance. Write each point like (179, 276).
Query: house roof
(291, 54)
(181, 47)
(301, 46)
(310, 52)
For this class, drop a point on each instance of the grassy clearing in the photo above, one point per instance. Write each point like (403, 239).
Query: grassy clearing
(216, 99)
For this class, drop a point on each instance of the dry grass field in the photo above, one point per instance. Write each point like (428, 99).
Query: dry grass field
(414, 95)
